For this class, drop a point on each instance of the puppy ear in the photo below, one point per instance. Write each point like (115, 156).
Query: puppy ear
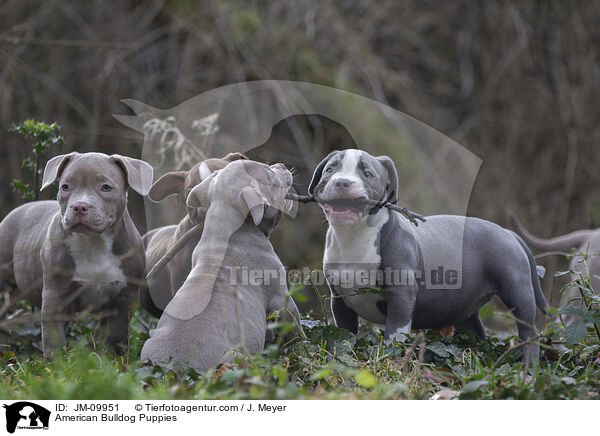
(230, 157)
(251, 201)
(392, 186)
(139, 173)
(316, 178)
(54, 168)
(210, 165)
(199, 196)
(168, 184)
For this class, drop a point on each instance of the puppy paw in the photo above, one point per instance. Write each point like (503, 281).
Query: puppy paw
(397, 337)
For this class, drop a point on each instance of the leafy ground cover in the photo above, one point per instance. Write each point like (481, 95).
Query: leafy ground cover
(330, 364)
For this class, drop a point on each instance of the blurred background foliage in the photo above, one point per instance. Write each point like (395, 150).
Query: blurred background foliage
(515, 82)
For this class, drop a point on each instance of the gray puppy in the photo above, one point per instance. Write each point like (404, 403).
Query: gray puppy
(436, 275)
(155, 297)
(81, 252)
(222, 306)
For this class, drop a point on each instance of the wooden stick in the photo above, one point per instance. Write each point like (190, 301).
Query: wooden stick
(413, 217)
(153, 273)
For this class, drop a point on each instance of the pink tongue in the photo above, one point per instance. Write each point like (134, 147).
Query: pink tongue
(331, 208)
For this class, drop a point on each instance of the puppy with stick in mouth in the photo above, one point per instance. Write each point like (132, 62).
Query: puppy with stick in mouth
(236, 278)
(434, 275)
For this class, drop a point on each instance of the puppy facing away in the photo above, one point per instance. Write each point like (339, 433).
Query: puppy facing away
(81, 252)
(582, 240)
(155, 297)
(434, 275)
(236, 278)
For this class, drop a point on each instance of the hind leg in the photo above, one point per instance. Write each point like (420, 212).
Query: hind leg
(5, 306)
(517, 294)
(474, 324)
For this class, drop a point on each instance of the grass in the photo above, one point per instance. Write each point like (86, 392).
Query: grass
(331, 364)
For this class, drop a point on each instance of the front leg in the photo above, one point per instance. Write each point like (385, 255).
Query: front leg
(401, 301)
(57, 296)
(53, 330)
(113, 326)
(343, 316)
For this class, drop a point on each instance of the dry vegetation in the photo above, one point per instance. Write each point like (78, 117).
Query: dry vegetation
(516, 83)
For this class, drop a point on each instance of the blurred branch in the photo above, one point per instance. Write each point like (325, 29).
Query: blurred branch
(69, 43)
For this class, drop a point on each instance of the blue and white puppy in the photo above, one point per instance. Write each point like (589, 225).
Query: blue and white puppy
(435, 275)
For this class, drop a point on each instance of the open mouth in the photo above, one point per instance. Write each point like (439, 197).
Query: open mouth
(344, 205)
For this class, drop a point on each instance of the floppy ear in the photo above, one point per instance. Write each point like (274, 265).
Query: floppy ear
(392, 185)
(139, 173)
(230, 157)
(251, 201)
(168, 184)
(210, 165)
(198, 197)
(54, 168)
(316, 178)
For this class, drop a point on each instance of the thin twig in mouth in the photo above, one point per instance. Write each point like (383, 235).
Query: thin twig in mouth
(413, 217)
(353, 203)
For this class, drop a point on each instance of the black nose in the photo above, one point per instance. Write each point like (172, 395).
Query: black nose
(343, 183)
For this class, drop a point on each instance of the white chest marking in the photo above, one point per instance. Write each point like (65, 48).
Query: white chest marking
(358, 243)
(95, 263)
(355, 249)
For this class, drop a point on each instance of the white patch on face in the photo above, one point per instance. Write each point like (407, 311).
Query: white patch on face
(349, 166)
(204, 171)
(96, 266)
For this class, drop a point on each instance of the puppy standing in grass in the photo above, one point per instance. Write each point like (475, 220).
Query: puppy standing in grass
(155, 297)
(437, 274)
(217, 310)
(81, 252)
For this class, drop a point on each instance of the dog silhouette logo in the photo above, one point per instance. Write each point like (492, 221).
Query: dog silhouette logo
(26, 415)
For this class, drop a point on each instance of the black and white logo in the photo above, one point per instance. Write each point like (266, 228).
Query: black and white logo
(26, 415)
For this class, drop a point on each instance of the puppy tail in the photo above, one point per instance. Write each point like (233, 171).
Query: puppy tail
(559, 243)
(540, 299)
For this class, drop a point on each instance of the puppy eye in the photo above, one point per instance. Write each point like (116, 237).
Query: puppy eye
(328, 170)
(367, 174)
(106, 188)
(65, 187)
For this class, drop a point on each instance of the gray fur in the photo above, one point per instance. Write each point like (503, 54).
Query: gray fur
(210, 319)
(155, 297)
(489, 260)
(65, 261)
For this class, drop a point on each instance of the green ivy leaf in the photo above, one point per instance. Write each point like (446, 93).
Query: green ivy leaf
(571, 310)
(593, 316)
(474, 385)
(575, 332)
(365, 379)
